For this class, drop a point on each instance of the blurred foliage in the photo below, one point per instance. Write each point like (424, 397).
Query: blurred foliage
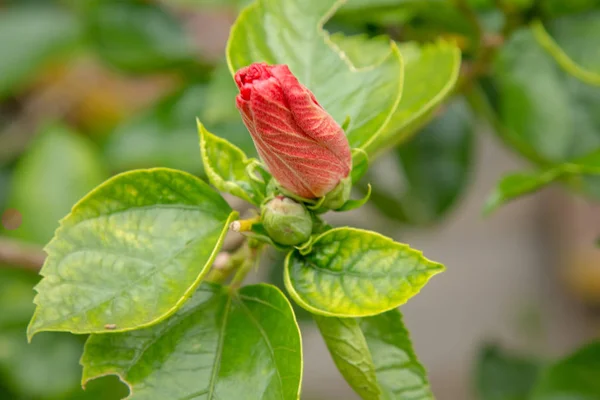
(535, 101)
(500, 375)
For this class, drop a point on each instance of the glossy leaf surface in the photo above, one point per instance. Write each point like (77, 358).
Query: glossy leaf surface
(351, 272)
(349, 350)
(130, 253)
(399, 373)
(291, 32)
(218, 346)
(225, 166)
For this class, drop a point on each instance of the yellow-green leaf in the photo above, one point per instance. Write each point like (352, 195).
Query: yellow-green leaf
(130, 253)
(352, 273)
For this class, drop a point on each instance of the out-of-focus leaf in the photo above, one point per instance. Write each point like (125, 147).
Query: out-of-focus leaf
(291, 32)
(30, 38)
(430, 74)
(546, 114)
(137, 36)
(428, 16)
(220, 345)
(144, 237)
(516, 185)
(572, 42)
(576, 377)
(399, 373)
(166, 136)
(553, 8)
(502, 376)
(435, 168)
(56, 171)
(49, 367)
(536, 104)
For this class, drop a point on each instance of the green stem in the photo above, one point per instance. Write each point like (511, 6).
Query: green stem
(247, 264)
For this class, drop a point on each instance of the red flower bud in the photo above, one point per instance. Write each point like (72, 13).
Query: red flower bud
(303, 147)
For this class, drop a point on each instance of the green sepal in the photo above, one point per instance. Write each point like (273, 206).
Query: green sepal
(354, 204)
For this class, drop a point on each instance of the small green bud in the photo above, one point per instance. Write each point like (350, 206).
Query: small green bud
(339, 195)
(286, 221)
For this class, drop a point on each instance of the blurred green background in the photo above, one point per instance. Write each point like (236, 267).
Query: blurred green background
(91, 88)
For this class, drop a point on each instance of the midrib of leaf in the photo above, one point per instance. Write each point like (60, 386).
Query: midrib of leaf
(268, 343)
(217, 360)
(124, 289)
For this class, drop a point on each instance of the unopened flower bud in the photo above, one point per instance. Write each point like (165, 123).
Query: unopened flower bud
(286, 221)
(303, 147)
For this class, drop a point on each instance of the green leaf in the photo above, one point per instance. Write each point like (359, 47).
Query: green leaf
(554, 8)
(30, 39)
(47, 368)
(399, 373)
(573, 378)
(220, 345)
(430, 74)
(573, 45)
(291, 32)
(502, 376)
(137, 37)
(349, 350)
(360, 164)
(434, 167)
(58, 168)
(516, 185)
(351, 273)
(535, 104)
(165, 136)
(130, 253)
(225, 166)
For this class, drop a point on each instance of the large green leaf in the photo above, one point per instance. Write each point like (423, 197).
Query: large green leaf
(291, 32)
(553, 8)
(165, 135)
(351, 273)
(430, 74)
(57, 170)
(427, 18)
(399, 373)
(225, 165)
(220, 345)
(502, 376)
(47, 368)
(434, 167)
(130, 253)
(136, 36)
(349, 350)
(536, 98)
(519, 184)
(578, 36)
(30, 38)
(572, 41)
(577, 377)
